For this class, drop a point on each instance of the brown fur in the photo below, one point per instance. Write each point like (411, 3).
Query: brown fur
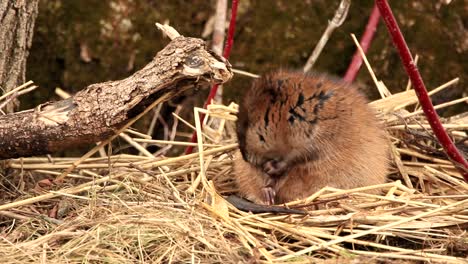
(299, 133)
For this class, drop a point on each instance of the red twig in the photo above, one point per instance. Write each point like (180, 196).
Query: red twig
(226, 53)
(420, 89)
(365, 42)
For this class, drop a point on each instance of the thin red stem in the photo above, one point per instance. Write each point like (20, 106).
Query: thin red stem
(365, 42)
(420, 89)
(226, 53)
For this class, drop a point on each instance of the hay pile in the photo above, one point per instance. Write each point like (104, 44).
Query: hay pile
(134, 208)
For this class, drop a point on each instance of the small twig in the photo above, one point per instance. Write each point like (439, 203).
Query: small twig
(154, 119)
(431, 93)
(12, 95)
(136, 145)
(24, 85)
(383, 91)
(338, 19)
(219, 26)
(165, 127)
(8, 100)
(176, 143)
(202, 176)
(245, 73)
(398, 40)
(172, 136)
(175, 123)
(168, 31)
(218, 36)
(439, 106)
(14, 216)
(137, 134)
(192, 127)
(365, 42)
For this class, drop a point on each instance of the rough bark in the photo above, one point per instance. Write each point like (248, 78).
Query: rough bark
(97, 111)
(17, 19)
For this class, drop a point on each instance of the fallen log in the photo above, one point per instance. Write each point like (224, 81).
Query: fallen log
(98, 111)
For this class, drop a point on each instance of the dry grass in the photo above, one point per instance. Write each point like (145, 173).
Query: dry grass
(135, 208)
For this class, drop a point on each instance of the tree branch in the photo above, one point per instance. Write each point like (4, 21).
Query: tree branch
(96, 112)
(365, 42)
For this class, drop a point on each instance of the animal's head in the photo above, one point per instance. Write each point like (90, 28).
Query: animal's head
(284, 119)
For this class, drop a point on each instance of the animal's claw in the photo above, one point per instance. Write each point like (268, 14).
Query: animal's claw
(268, 195)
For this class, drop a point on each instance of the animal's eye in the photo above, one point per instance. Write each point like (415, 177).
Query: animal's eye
(262, 139)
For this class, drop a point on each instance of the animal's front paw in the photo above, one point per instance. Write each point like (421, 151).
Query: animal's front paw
(275, 168)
